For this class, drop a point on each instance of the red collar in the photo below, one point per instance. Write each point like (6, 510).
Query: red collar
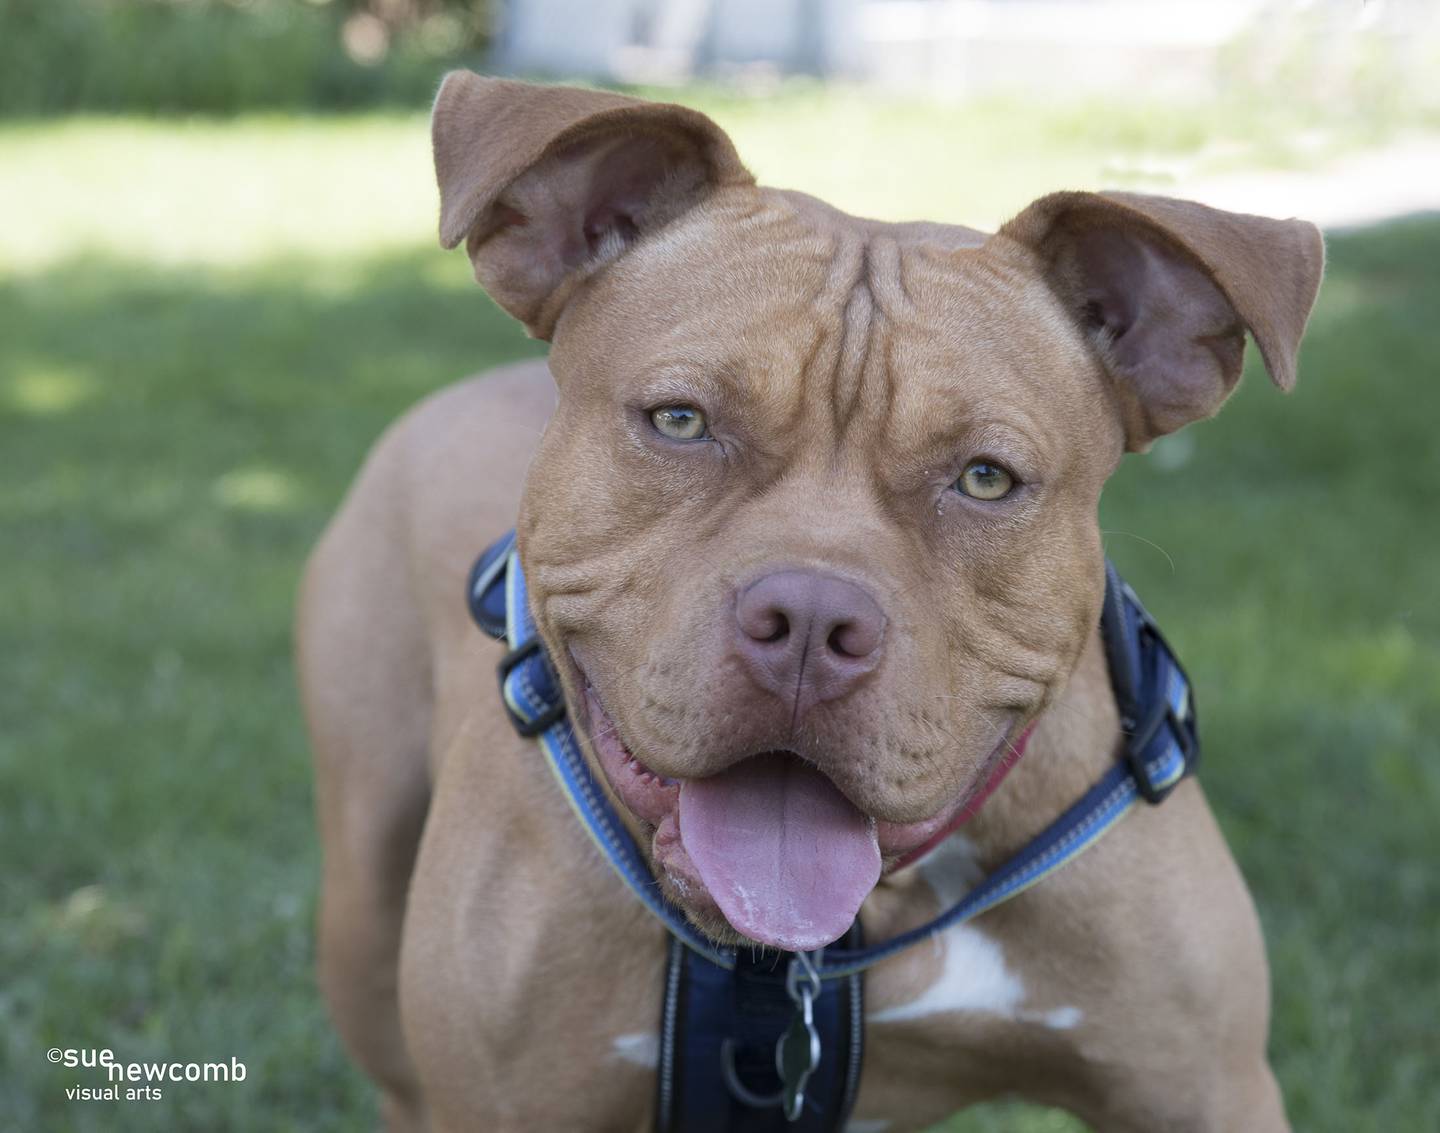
(972, 806)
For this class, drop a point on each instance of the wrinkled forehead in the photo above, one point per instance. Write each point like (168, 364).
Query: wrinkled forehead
(759, 301)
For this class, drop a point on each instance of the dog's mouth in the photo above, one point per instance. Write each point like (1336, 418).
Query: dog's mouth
(769, 846)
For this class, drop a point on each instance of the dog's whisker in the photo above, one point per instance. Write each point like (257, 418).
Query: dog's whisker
(1147, 542)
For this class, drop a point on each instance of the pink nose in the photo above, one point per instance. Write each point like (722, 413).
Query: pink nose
(807, 637)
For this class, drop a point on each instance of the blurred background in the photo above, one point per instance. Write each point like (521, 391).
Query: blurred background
(219, 281)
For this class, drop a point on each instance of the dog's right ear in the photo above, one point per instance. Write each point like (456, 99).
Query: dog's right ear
(546, 185)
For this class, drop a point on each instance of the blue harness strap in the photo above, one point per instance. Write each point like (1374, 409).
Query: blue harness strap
(766, 1041)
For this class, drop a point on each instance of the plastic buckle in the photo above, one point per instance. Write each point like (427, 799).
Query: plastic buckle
(1161, 715)
(527, 728)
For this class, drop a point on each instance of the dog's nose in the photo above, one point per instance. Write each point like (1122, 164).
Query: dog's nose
(806, 636)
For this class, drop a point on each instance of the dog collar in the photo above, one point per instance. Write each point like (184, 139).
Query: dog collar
(1160, 747)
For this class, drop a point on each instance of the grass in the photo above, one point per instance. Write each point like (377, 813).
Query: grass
(202, 327)
(263, 187)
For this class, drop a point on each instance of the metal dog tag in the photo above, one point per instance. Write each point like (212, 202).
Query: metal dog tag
(798, 1051)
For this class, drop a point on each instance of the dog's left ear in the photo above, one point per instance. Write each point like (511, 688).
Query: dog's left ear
(547, 185)
(1166, 289)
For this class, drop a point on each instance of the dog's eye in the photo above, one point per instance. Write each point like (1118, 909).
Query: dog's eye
(982, 480)
(679, 422)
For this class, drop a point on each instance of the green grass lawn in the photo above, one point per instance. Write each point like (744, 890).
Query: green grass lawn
(202, 328)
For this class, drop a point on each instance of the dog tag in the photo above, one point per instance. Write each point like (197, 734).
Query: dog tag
(798, 1051)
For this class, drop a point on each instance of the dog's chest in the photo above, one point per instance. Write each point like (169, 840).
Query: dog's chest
(964, 974)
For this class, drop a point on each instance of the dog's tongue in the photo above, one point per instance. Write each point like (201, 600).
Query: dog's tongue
(785, 855)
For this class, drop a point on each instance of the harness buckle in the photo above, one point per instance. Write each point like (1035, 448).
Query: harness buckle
(1146, 786)
(553, 712)
(1139, 735)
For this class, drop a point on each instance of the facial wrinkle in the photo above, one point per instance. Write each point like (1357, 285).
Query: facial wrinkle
(856, 324)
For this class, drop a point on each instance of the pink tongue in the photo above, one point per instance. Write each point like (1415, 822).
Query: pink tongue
(785, 855)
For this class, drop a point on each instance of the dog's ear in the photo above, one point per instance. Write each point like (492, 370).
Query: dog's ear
(547, 184)
(1166, 289)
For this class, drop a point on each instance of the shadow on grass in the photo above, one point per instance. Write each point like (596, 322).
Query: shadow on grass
(171, 443)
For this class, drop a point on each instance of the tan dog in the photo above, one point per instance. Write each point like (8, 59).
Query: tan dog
(811, 485)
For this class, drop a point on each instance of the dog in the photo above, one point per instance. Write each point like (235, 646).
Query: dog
(807, 509)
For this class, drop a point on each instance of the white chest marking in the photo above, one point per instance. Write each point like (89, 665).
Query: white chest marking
(1060, 1019)
(640, 1047)
(973, 975)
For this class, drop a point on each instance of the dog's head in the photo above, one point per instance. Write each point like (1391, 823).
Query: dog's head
(812, 535)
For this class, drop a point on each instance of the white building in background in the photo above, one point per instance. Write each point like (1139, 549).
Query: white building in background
(671, 40)
(948, 47)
